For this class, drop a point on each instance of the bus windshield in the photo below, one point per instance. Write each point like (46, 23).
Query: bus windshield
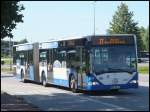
(114, 59)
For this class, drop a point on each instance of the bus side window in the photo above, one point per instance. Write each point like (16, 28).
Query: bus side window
(14, 55)
(30, 58)
(62, 58)
(54, 55)
(49, 60)
(71, 56)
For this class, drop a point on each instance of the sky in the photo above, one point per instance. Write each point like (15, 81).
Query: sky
(46, 20)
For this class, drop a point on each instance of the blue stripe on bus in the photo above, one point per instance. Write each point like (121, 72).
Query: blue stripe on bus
(31, 73)
(18, 76)
(61, 82)
(109, 87)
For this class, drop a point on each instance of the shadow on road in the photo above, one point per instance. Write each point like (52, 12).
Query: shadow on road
(132, 100)
(14, 103)
(101, 92)
(4, 76)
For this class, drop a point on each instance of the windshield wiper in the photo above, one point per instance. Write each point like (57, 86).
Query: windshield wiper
(120, 70)
(110, 70)
(100, 72)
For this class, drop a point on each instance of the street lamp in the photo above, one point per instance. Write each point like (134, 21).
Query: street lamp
(10, 52)
(94, 15)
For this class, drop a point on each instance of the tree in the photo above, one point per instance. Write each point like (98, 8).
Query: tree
(23, 41)
(123, 23)
(10, 16)
(147, 39)
(142, 35)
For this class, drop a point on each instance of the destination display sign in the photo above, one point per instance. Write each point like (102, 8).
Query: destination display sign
(113, 40)
(24, 47)
(72, 43)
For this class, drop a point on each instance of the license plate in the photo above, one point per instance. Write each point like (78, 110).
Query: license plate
(115, 87)
(115, 81)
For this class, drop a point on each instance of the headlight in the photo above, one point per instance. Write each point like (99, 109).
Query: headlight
(93, 83)
(133, 81)
(90, 83)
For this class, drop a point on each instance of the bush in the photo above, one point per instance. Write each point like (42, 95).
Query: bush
(144, 70)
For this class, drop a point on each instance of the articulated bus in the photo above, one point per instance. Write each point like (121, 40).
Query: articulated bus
(100, 62)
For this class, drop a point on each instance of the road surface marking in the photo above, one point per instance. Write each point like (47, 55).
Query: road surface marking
(97, 101)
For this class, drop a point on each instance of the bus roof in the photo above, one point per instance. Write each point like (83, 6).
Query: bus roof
(62, 39)
(74, 38)
(23, 44)
(81, 37)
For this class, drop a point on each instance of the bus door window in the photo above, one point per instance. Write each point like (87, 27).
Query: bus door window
(54, 51)
(72, 60)
(71, 57)
(49, 65)
(21, 56)
(62, 58)
(18, 60)
(29, 61)
(86, 61)
(14, 55)
(50, 60)
(43, 58)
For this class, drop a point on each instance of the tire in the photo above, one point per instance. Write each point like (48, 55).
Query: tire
(44, 83)
(73, 84)
(22, 76)
(115, 90)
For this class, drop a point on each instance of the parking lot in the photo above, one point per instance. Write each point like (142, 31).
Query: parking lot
(56, 98)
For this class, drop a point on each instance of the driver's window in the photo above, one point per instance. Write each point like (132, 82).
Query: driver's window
(97, 56)
(131, 62)
(104, 53)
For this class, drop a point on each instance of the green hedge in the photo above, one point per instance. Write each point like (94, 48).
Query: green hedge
(6, 61)
(143, 69)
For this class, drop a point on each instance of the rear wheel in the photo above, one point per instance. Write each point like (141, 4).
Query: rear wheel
(22, 76)
(73, 84)
(44, 83)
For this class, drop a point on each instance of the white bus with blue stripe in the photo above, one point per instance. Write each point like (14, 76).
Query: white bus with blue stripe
(102, 62)
(26, 60)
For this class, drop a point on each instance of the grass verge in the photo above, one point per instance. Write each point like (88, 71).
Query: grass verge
(6, 69)
(143, 69)
(6, 60)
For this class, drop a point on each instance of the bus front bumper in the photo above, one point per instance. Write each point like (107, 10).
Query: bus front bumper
(110, 87)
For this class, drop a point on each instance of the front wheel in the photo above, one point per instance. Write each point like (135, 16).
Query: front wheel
(73, 84)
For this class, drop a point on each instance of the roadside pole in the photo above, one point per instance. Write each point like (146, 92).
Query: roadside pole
(10, 53)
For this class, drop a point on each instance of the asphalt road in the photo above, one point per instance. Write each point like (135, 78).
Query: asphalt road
(56, 98)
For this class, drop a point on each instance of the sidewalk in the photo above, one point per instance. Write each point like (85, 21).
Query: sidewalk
(14, 103)
(144, 77)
